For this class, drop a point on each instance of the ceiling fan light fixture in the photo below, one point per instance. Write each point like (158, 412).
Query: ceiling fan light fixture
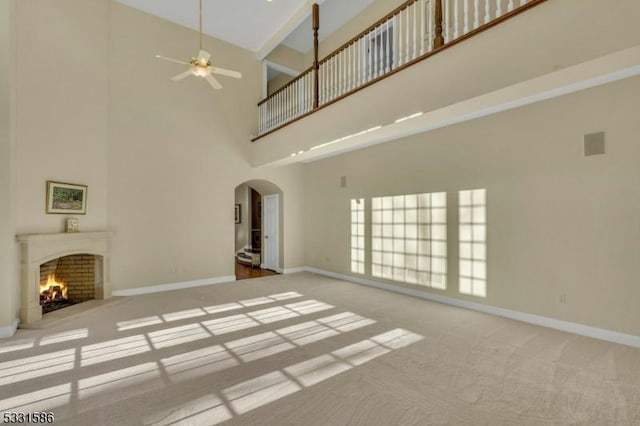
(200, 71)
(200, 66)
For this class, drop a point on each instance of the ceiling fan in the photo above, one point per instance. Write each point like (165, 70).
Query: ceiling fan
(201, 66)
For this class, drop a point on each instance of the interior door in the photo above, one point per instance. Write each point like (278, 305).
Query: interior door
(270, 232)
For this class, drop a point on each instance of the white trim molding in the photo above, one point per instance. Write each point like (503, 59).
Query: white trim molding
(295, 270)
(292, 23)
(174, 286)
(9, 330)
(281, 68)
(570, 327)
(278, 269)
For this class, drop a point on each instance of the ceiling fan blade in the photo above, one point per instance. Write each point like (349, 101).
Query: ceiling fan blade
(204, 55)
(182, 75)
(172, 60)
(213, 82)
(228, 73)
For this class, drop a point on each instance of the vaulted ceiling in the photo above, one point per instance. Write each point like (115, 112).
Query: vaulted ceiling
(251, 23)
(333, 14)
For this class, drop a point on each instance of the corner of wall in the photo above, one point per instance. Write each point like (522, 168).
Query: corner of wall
(9, 330)
(9, 254)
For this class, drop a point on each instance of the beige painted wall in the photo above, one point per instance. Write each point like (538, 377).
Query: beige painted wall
(288, 57)
(62, 108)
(177, 152)
(278, 81)
(558, 222)
(7, 266)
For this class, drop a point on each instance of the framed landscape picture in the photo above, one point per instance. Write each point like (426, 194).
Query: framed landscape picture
(65, 198)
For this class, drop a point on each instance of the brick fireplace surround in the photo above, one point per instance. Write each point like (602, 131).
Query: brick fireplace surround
(38, 249)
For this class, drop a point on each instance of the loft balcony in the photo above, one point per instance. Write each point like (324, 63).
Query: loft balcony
(431, 63)
(408, 34)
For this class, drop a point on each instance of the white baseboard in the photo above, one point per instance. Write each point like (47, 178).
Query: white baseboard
(173, 286)
(571, 327)
(9, 330)
(278, 270)
(294, 270)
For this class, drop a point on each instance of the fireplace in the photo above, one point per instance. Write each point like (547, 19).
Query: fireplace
(68, 280)
(58, 270)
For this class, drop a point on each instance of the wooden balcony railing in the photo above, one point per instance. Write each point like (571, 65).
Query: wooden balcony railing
(410, 33)
(293, 100)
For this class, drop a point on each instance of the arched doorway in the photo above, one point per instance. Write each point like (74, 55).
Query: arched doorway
(258, 229)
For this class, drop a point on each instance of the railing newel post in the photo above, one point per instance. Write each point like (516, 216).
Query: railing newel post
(438, 40)
(316, 64)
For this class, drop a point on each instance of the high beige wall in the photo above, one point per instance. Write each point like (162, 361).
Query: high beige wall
(7, 266)
(177, 152)
(62, 103)
(58, 120)
(558, 222)
(59, 115)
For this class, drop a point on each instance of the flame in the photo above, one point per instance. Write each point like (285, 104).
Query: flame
(49, 291)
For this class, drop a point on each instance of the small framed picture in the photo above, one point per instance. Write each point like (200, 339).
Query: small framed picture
(65, 198)
(238, 213)
(72, 224)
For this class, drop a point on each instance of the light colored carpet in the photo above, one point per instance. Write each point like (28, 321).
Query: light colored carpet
(308, 350)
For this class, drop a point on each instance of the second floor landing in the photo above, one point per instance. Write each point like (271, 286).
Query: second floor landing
(555, 48)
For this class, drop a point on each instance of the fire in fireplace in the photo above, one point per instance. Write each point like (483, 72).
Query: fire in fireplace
(53, 294)
(67, 280)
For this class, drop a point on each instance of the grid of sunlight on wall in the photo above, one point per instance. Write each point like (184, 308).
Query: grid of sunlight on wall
(473, 242)
(409, 239)
(357, 235)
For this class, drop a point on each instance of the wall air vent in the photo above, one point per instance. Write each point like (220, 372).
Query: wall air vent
(594, 144)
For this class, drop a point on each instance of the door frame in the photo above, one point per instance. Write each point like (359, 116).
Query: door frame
(274, 239)
(266, 64)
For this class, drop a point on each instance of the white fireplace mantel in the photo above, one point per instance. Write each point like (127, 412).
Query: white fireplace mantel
(37, 249)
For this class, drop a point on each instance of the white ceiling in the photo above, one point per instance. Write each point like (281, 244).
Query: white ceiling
(333, 15)
(245, 23)
(250, 23)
